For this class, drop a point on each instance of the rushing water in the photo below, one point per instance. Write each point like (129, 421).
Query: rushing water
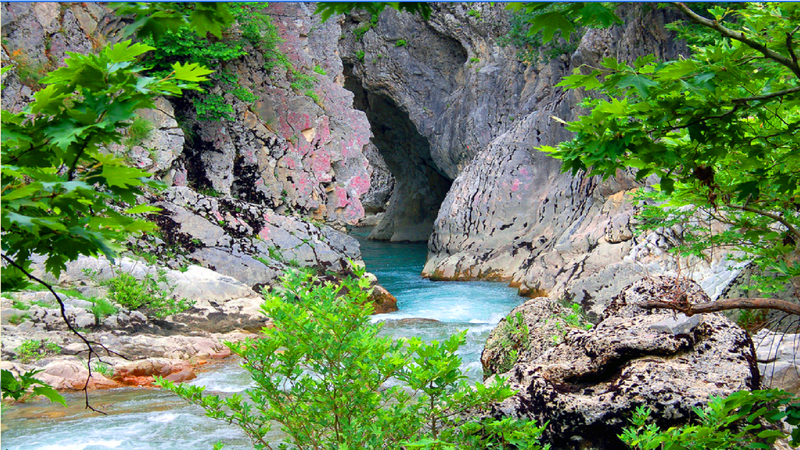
(153, 419)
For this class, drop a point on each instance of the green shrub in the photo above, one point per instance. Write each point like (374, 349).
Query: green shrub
(726, 423)
(319, 70)
(360, 55)
(184, 45)
(102, 308)
(400, 43)
(244, 95)
(153, 293)
(33, 350)
(103, 369)
(213, 107)
(320, 373)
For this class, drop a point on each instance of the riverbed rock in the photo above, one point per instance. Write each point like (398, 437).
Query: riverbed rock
(588, 386)
(143, 371)
(382, 301)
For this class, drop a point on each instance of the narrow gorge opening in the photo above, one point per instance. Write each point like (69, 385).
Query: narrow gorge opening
(419, 187)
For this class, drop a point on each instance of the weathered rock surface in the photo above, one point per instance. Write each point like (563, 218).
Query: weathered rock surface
(779, 360)
(174, 357)
(528, 331)
(248, 242)
(288, 150)
(588, 386)
(471, 113)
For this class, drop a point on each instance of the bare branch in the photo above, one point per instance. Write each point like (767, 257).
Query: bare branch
(725, 305)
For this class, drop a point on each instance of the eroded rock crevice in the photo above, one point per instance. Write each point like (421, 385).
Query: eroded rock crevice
(419, 188)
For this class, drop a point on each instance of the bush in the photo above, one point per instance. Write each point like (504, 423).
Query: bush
(322, 371)
(726, 423)
(33, 350)
(152, 292)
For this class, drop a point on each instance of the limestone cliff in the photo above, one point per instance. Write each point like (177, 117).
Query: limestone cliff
(509, 214)
(287, 164)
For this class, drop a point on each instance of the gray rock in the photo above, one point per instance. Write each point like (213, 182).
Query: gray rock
(678, 324)
(138, 317)
(587, 387)
(78, 303)
(778, 359)
(546, 328)
(111, 322)
(84, 320)
(74, 348)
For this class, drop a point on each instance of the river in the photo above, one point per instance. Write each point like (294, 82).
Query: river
(154, 419)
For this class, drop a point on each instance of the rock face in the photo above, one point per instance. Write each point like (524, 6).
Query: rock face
(475, 116)
(779, 360)
(588, 386)
(288, 150)
(248, 242)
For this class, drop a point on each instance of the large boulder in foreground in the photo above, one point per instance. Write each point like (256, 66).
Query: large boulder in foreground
(588, 386)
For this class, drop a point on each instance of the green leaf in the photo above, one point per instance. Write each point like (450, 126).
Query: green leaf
(550, 23)
(125, 51)
(51, 394)
(143, 208)
(191, 72)
(640, 82)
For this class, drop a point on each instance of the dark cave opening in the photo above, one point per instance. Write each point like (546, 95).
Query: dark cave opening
(419, 186)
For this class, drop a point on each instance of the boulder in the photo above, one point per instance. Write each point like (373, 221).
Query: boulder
(528, 331)
(588, 386)
(382, 300)
(72, 374)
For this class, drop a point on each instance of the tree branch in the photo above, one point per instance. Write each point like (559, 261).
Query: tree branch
(89, 344)
(772, 216)
(739, 36)
(725, 305)
(789, 45)
(766, 96)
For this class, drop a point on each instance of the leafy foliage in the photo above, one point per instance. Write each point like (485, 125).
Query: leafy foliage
(514, 337)
(153, 292)
(156, 19)
(564, 18)
(737, 421)
(140, 130)
(321, 372)
(58, 185)
(186, 44)
(102, 308)
(719, 130)
(20, 388)
(328, 9)
(33, 350)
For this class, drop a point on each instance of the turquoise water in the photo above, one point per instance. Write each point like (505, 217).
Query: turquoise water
(153, 419)
(475, 306)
